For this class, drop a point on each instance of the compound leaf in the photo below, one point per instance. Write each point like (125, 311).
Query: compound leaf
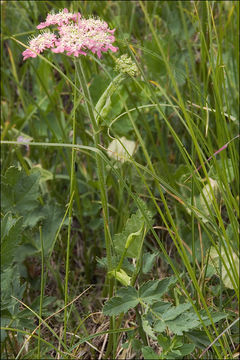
(126, 299)
(154, 289)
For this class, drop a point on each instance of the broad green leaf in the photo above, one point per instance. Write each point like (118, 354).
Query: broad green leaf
(20, 191)
(214, 261)
(160, 307)
(227, 167)
(11, 232)
(186, 349)
(215, 315)
(45, 174)
(147, 328)
(154, 289)
(126, 299)
(164, 342)
(53, 217)
(121, 276)
(199, 338)
(10, 285)
(134, 224)
(175, 311)
(32, 218)
(159, 326)
(149, 353)
(148, 261)
(184, 322)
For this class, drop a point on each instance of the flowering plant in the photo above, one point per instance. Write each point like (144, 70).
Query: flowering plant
(76, 36)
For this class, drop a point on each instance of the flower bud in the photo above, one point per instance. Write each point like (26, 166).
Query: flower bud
(125, 65)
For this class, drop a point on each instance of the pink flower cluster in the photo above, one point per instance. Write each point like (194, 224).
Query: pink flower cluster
(76, 36)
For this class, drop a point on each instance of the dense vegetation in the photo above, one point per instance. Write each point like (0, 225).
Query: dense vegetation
(120, 185)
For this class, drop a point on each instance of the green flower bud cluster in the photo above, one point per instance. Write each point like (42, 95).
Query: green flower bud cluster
(125, 65)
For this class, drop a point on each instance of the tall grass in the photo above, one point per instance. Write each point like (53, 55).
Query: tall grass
(182, 111)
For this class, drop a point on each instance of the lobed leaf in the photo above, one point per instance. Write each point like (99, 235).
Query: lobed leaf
(126, 299)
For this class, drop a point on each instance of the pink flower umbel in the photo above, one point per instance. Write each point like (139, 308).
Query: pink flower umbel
(38, 44)
(76, 36)
(76, 39)
(63, 17)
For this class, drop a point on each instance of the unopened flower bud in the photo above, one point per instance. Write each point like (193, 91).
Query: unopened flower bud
(125, 65)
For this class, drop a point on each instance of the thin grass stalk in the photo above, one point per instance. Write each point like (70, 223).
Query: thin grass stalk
(41, 293)
(51, 346)
(176, 239)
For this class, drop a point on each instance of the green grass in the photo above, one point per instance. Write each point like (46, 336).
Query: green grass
(79, 226)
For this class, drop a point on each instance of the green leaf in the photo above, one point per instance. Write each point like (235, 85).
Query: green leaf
(53, 214)
(121, 276)
(214, 260)
(10, 285)
(134, 224)
(216, 316)
(126, 299)
(147, 328)
(149, 353)
(184, 322)
(164, 342)
(160, 307)
(148, 262)
(20, 191)
(11, 232)
(186, 349)
(226, 167)
(175, 311)
(154, 289)
(159, 326)
(199, 338)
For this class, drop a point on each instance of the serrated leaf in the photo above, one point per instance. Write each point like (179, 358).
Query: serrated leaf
(186, 349)
(126, 299)
(32, 218)
(216, 316)
(19, 191)
(154, 289)
(149, 353)
(160, 307)
(164, 342)
(11, 231)
(184, 322)
(159, 326)
(147, 328)
(175, 311)
(10, 285)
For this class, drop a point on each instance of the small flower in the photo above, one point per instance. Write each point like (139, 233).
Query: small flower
(63, 17)
(39, 44)
(116, 149)
(23, 139)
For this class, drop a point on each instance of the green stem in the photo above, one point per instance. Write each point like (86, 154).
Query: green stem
(100, 165)
(102, 183)
(72, 185)
(42, 291)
